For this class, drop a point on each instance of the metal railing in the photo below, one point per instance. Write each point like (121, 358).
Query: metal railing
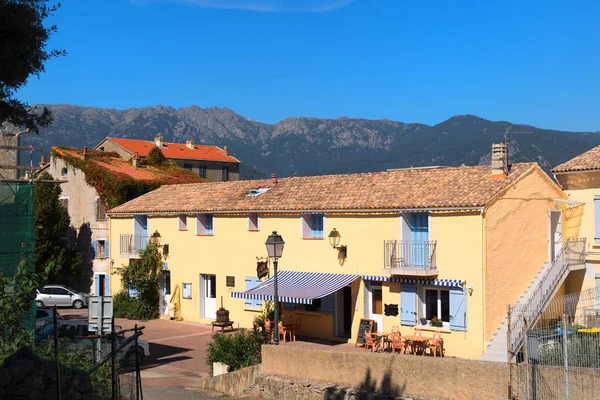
(526, 314)
(406, 254)
(132, 244)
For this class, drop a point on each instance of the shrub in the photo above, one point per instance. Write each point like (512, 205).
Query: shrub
(238, 350)
(128, 307)
(156, 157)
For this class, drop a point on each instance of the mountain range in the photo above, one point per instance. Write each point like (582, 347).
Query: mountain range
(312, 146)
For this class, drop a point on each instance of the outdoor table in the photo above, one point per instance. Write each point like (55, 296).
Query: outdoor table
(419, 339)
(382, 336)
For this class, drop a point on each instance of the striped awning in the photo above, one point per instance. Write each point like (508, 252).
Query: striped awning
(431, 282)
(298, 287)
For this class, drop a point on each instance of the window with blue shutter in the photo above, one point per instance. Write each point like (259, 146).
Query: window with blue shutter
(408, 304)
(106, 249)
(327, 304)
(597, 219)
(204, 224)
(251, 282)
(458, 309)
(317, 226)
(209, 224)
(97, 285)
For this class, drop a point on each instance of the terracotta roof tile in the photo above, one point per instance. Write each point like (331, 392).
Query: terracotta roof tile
(401, 189)
(175, 150)
(589, 160)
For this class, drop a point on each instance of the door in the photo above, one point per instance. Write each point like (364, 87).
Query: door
(165, 291)
(209, 296)
(101, 285)
(420, 239)
(374, 304)
(555, 240)
(343, 312)
(61, 297)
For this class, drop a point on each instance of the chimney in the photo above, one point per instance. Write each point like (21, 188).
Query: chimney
(136, 160)
(190, 143)
(273, 179)
(158, 140)
(42, 162)
(84, 154)
(226, 150)
(499, 159)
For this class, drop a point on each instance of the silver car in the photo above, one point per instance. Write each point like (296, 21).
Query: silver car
(62, 296)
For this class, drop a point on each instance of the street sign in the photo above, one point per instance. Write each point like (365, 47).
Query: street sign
(100, 313)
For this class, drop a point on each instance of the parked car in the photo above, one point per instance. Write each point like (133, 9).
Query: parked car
(43, 316)
(59, 295)
(78, 332)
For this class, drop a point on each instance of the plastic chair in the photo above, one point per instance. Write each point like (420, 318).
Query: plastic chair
(370, 342)
(284, 332)
(269, 329)
(437, 344)
(396, 341)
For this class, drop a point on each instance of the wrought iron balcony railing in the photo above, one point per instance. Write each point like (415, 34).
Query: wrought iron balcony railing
(406, 256)
(133, 244)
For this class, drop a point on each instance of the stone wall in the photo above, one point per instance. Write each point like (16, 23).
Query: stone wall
(26, 377)
(398, 375)
(233, 383)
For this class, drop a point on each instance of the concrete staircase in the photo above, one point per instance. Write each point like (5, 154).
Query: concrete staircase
(497, 348)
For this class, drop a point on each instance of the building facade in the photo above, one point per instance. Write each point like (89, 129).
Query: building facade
(458, 244)
(209, 162)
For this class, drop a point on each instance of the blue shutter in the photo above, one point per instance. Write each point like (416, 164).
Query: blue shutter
(257, 303)
(94, 248)
(597, 219)
(317, 225)
(313, 225)
(97, 285)
(107, 285)
(458, 309)
(408, 304)
(327, 304)
(209, 224)
(249, 285)
(106, 249)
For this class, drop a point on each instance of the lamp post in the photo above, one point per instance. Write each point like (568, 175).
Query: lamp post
(274, 245)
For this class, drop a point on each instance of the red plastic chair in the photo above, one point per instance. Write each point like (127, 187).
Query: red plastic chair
(370, 342)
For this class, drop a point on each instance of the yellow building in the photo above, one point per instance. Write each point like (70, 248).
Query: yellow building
(580, 179)
(456, 243)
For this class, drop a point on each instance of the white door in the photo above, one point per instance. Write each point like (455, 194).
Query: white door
(374, 304)
(556, 229)
(209, 296)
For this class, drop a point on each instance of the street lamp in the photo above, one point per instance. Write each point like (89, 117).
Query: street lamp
(274, 245)
(334, 241)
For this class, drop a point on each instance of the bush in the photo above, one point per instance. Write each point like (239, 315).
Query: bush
(128, 307)
(238, 350)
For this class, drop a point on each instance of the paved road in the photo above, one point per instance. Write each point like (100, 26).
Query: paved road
(181, 393)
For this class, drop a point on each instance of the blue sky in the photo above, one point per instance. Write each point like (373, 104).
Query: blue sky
(535, 62)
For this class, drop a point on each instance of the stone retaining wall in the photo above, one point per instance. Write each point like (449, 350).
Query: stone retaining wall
(233, 383)
(397, 375)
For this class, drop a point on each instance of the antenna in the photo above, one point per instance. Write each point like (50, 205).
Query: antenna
(506, 132)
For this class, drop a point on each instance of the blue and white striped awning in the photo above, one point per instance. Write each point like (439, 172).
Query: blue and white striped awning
(431, 282)
(298, 287)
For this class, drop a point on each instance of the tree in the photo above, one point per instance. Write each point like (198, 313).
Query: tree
(52, 223)
(23, 52)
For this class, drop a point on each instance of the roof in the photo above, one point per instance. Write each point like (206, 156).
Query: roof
(175, 150)
(455, 187)
(590, 160)
(110, 175)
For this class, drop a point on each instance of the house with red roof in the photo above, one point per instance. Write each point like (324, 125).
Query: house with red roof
(94, 181)
(210, 162)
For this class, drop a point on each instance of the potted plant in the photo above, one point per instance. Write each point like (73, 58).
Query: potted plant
(423, 321)
(435, 321)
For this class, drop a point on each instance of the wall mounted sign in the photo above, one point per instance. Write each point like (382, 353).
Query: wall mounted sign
(230, 281)
(391, 310)
(262, 269)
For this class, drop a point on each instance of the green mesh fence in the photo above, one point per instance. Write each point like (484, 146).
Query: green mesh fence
(17, 236)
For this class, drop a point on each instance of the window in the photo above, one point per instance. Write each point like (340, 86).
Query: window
(100, 247)
(186, 290)
(202, 171)
(60, 292)
(204, 224)
(189, 167)
(252, 281)
(313, 226)
(64, 201)
(64, 172)
(225, 174)
(183, 221)
(253, 222)
(100, 210)
(323, 305)
(437, 304)
(46, 290)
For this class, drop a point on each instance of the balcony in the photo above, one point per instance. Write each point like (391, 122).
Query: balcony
(132, 245)
(410, 258)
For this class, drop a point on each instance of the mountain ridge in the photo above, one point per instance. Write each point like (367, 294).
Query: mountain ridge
(315, 146)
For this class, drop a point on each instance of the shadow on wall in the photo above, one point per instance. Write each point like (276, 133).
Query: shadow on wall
(369, 389)
(83, 245)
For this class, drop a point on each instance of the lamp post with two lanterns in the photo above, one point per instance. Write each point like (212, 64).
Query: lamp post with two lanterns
(274, 246)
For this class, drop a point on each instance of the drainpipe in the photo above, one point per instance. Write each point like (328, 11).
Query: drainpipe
(483, 269)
